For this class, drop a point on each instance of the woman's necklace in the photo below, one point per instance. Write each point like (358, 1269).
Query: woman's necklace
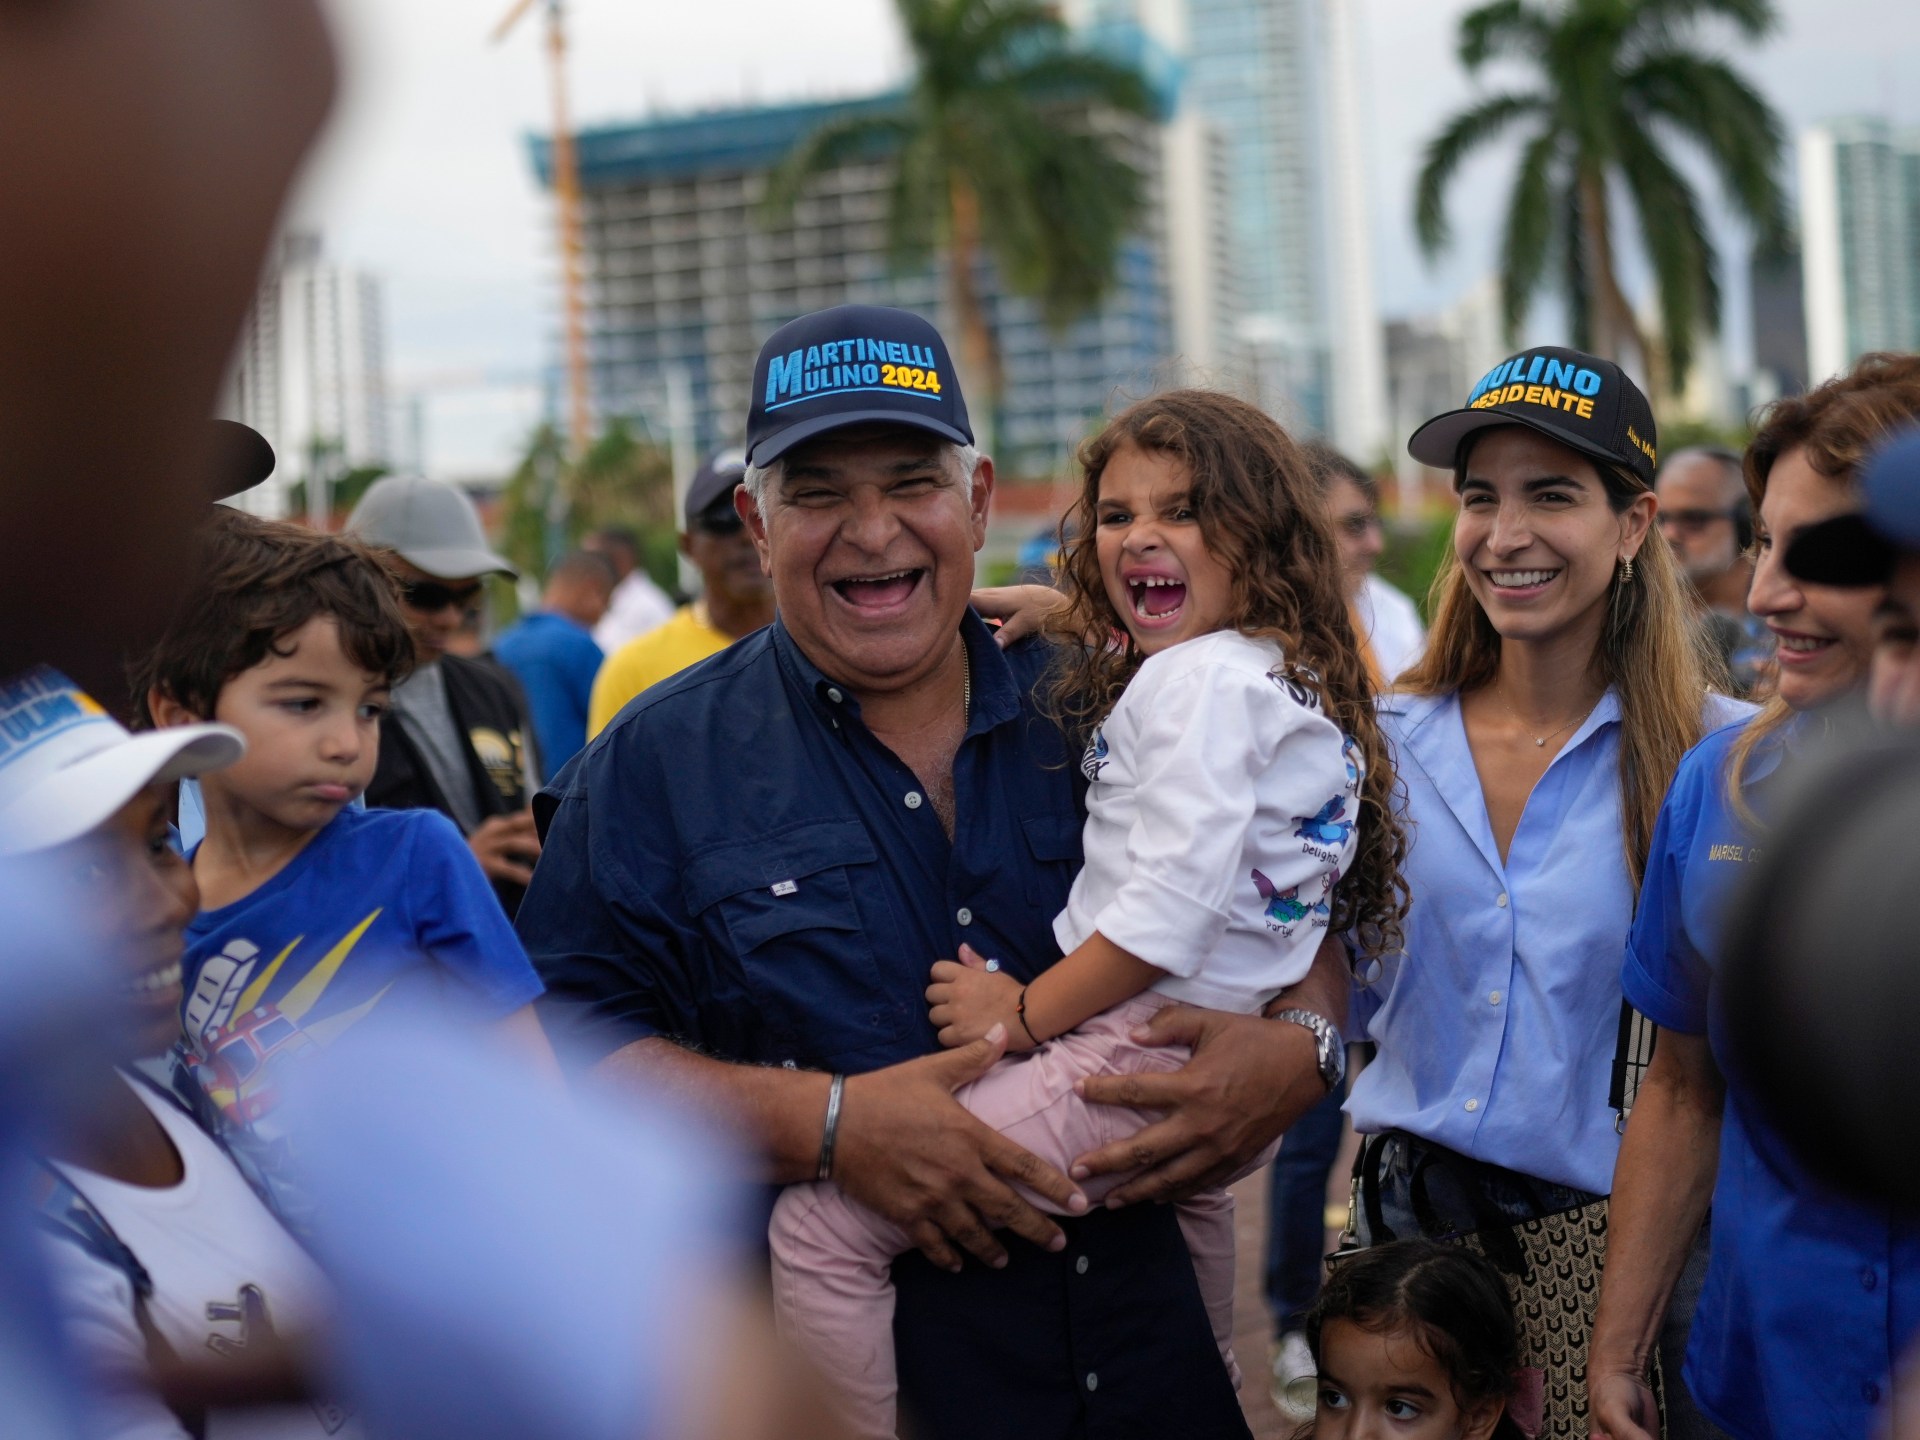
(1541, 740)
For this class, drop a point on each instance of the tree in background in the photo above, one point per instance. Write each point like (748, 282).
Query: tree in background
(623, 479)
(995, 150)
(1615, 80)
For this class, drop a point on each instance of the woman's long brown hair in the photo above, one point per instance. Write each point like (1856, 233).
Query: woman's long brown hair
(1838, 424)
(1259, 510)
(1651, 654)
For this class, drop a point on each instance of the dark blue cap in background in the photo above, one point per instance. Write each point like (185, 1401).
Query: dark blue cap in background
(1860, 549)
(852, 365)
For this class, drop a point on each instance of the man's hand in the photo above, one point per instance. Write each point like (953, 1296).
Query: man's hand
(1249, 1079)
(506, 846)
(1621, 1407)
(968, 1000)
(909, 1151)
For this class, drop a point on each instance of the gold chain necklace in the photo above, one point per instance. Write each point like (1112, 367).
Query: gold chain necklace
(1540, 740)
(966, 686)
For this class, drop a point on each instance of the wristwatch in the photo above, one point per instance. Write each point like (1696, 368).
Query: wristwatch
(1330, 1051)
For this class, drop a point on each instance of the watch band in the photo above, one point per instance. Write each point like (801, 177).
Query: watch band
(1330, 1049)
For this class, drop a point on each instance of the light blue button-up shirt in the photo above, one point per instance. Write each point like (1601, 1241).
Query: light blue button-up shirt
(1497, 1026)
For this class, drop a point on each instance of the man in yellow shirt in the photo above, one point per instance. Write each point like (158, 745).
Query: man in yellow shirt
(736, 597)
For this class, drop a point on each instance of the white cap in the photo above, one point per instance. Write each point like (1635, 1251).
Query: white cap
(66, 766)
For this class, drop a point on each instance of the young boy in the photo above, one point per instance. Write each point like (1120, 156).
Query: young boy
(312, 912)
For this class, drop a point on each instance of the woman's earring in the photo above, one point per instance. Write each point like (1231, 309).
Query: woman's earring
(1626, 569)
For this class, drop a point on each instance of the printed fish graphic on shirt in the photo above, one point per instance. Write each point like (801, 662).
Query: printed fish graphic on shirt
(1329, 826)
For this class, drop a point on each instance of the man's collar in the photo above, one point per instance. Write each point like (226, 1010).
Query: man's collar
(996, 693)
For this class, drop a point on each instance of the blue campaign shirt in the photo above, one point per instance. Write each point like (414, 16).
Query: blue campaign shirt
(1497, 1026)
(737, 863)
(1810, 1297)
(555, 661)
(379, 901)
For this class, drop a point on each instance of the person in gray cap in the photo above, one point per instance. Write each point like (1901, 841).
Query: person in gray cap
(460, 744)
(736, 597)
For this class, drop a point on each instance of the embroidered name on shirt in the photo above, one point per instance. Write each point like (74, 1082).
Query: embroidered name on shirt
(1748, 854)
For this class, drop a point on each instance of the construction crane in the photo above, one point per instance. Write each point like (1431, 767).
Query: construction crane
(566, 196)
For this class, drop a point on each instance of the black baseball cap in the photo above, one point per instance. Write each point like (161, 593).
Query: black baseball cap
(1583, 402)
(852, 365)
(1861, 549)
(713, 482)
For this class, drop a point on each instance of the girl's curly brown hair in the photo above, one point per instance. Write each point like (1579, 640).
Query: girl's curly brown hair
(1260, 509)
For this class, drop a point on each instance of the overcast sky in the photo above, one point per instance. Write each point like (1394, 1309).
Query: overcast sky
(423, 176)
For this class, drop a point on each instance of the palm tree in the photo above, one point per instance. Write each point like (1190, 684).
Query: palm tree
(994, 147)
(1615, 78)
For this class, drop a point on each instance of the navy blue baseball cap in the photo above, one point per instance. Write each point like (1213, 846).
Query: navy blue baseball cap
(1860, 549)
(852, 365)
(1585, 403)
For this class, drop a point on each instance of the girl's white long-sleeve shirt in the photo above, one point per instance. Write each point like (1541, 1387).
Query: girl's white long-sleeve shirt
(1221, 811)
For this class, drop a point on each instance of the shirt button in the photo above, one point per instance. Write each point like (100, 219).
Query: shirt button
(1472, 1105)
(1869, 1392)
(1080, 1266)
(834, 695)
(1869, 1280)
(1501, 899)
(1494, 998)
(1093, 1381)
(914, 798)
(964, 915)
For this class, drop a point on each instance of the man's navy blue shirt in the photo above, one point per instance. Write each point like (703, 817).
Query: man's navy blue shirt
(736, 863)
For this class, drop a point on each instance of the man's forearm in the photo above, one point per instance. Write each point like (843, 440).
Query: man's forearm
(1325, 989)
(782, 1111)
(1662, 1187)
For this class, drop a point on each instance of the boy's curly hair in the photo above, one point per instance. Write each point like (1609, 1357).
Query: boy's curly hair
(258, 582)
(1260, 509)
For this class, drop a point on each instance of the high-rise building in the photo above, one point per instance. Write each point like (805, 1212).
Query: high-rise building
(1860, 242)
(1779, 321)
(1432, 362)
(687, 273)
(310, 373)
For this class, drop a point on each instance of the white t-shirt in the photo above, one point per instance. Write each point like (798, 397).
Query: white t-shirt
(1393, 626)
(636, 606)
(222, 1268)
(1220, 813)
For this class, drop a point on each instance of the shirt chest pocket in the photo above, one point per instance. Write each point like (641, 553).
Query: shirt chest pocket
(786, 906)
(1053, 859)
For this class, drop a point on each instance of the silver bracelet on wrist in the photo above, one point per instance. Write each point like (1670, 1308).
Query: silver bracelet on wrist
(824, 1171)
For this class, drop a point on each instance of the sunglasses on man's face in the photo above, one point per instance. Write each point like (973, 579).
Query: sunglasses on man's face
(1691, 522)
(719, 520)
(430, 597)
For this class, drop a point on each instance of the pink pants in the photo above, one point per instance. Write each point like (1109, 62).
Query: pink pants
(832, 1294)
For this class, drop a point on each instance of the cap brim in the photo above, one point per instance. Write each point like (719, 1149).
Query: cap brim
(1437, 443)
(239, 458)
(79, 798)
(455, 564)
(1845, 551)
(777, 444)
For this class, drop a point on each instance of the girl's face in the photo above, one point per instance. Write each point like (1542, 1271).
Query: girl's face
(1377, 1385)
(1536, 537)
(1161, 579)
(1825, 633)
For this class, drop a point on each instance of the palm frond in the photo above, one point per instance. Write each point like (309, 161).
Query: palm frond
(1528, 242)
(1667, 22)
(1504, 28)
(841, 143)
(1707, 101)
(1463, 134)
(1079, 77)
(1677, 243)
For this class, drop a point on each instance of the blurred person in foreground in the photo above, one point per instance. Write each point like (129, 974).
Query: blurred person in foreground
(1810, 1298)
(749, 870)
(1385, 619)
(1707, 519)
(459, 741)
(552, 652)
(637, 604)
(736, 597)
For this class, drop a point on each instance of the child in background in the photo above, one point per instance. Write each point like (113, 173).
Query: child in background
(1236, 774)
(1417, 1339)
(313, 912)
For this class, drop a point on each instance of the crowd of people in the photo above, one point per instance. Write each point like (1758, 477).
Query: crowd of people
(839, 1005)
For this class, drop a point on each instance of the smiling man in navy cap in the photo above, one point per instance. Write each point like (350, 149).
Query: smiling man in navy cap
(748, 875)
